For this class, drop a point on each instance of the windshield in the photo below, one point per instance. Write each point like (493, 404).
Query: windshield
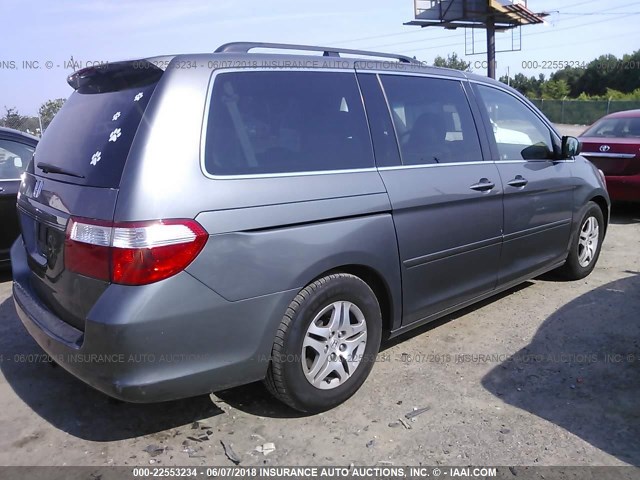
(626, 127)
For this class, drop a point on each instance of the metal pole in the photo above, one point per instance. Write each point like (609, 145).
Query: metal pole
(491, 47)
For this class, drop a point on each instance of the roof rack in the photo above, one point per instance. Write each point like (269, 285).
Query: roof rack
(244, 47)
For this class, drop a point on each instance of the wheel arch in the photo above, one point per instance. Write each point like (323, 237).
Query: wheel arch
(376, 281)
(604, 207)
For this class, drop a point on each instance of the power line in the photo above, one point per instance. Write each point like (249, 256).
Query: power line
(581, 3)
(387, 35)
(598, 13)
(449, 36)
(533, 34)
(562, 29)
(377, 36)
(598, 39)
(413, 41)
(432, 47)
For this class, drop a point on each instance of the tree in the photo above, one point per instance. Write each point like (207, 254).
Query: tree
(452, 61)
(13, 119)
(528, 86)
(555, 89)
(48, 110)
(571, 75)
(598, 75)
(606, 77)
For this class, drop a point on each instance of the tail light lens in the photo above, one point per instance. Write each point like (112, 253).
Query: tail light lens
(132, 253)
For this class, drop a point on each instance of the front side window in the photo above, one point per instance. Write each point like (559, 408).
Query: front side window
(263, 122)
(433, 120)
(14, 157)
(519, 134)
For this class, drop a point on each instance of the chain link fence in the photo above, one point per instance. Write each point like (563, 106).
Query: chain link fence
(33, 125)
(582, 112)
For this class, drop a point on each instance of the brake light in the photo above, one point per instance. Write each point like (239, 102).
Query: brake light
(132, 253)
(86, 248)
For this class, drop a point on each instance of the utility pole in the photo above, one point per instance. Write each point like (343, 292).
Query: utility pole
(492, 15)
(491, 46)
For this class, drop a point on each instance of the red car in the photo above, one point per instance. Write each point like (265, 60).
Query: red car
(613, 145)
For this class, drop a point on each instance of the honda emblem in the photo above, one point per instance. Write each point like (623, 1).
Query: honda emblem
(37, 188)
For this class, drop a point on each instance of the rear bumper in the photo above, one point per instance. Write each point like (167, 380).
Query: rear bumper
(624, 188)
(164, 341)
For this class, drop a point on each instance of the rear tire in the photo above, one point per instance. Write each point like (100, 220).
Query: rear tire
(586, 244)
(326, 344)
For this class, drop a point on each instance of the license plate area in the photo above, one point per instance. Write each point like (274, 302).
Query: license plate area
(41, 239)
(49, 245)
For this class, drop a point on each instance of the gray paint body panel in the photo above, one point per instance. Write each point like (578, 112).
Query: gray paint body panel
(263, 262)
(164, 341)
(284, 214)
(435, 211)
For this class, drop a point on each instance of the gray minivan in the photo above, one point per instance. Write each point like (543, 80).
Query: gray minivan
(197, 222)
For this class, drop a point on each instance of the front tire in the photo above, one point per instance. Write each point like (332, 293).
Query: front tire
(326, 344)
(586, 244)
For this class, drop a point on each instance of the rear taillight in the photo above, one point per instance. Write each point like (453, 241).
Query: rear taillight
(132, 253)
(87, 247)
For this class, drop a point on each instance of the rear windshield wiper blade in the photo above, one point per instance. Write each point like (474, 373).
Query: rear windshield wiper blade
(49, 168)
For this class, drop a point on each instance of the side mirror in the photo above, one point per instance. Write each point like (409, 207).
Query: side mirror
(571, 147)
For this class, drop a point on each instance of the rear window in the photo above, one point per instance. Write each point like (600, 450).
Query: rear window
(626, 127)
(282, 121)
(92, 134)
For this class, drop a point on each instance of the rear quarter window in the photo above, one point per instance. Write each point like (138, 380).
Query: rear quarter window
(268, 122)
(92, 134)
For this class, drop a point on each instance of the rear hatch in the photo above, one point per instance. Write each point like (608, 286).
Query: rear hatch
(76, 172)
(614, 156)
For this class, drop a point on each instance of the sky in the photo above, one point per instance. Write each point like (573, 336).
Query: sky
(40, 37)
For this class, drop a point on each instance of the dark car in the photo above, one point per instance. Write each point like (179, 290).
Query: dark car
(613, 145)
(16, 150)
(272, 217)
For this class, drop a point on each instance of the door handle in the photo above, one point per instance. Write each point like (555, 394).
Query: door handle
(483, 185)
(518, 182)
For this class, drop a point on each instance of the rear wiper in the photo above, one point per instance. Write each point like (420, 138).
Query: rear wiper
(49, 168)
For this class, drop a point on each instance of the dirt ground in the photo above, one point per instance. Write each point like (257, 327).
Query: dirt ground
(547, 373)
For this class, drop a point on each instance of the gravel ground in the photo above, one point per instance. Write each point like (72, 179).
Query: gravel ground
(547, 373)
(573, 130)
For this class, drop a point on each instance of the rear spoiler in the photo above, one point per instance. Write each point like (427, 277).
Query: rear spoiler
(111, 77)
